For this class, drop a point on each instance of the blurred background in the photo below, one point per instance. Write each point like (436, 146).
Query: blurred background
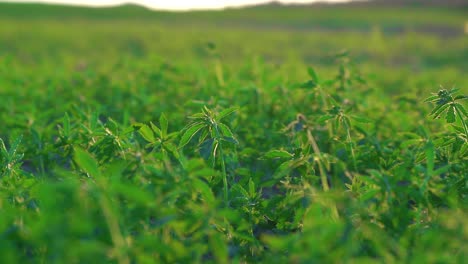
(396, 43)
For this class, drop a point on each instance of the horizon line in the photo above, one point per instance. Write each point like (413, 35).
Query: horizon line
(162, 8)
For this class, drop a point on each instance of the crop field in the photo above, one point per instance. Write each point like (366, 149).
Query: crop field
(269, 134)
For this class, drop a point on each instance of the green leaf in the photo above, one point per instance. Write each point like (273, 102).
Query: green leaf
(460, 97)
(277, 242)
(3, 149)
(205, 191)
(206, 148)
(172, 135)
(410, 142)
(197, 116)
(369, 195)
(252, 188)
(361, 119)
(66, 125)
(226, 112)
(219, 248)
(443, 142)
(14, 146)
(284, 169)
(460, 108)
(230, 140)
(241, 190)
(450, 117)
(346, 122)
(156, 130)
(225, 130)
(146, 132)
(432, 98)
(308, 84)
(438, 110)
(172, 149)
(324, 118)
(459, 129)
(190, 133)
(442, 170)
(164, 125)
(136, 126)
(313, 75)
(273, 154)
(86, 162)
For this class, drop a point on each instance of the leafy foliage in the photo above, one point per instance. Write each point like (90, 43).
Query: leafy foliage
(165, 147)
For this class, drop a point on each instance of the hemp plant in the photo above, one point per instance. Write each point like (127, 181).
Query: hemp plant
(342, 120)
(449, 103)
(10, 160)
(213, 136)
(160, 139)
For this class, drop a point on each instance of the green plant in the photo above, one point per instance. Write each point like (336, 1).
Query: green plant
(448, 103)
(160, 141)
(325, 164)
(10, 160)
(213, 136)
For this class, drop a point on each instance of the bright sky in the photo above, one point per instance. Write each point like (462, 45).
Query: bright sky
(175, 4)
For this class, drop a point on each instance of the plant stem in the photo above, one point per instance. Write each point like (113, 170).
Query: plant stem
(323, 175)
(223, 165)
(223, 168)
(351, 148)
(114, 229)
(325, 105)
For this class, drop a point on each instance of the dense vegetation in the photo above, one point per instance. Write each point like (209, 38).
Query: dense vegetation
(268, 134)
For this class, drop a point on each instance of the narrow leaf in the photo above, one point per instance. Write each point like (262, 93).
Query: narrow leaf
(313, 74)
(460, 97)
(164, 125)
(272, 154)
(438, 110)
(432, 98)
(252, 188)
(86, 162)
(361, 119)
(324, 118)
(460, 108)
(189, 134)
(225, 130)
(156, 130)
(147, 133)
(450, 117)
(66, 125)
(226, 112)
(230, 140)
(205, 191)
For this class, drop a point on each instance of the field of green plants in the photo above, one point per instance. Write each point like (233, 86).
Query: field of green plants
(260, 135)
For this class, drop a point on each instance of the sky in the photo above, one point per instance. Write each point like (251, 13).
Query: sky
(174, 4)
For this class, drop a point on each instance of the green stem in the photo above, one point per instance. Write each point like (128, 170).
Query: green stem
(223, 165)
(323, 175)
(112, 222)
(351, 149)
(325, 104)
(166, 161)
